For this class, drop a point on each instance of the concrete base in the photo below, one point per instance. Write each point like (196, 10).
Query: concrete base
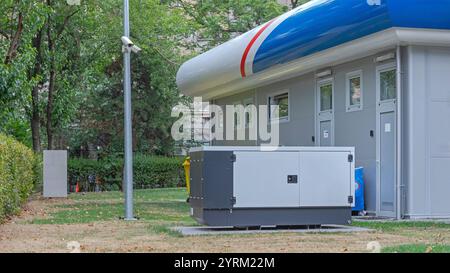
(198, 231)
(239, 217)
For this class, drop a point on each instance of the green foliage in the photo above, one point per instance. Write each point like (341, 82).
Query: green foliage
(217, 21)
(149, 172)
(17, 57)
(158, 172)
(18, 170)
(86, 61)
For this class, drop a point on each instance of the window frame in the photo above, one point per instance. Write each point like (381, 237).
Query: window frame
(246, 102)
(381, 69)
(348, 77)
(236, 120)
(320, 83)
(273, 95)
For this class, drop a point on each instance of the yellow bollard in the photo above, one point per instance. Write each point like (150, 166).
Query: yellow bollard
(187, 172)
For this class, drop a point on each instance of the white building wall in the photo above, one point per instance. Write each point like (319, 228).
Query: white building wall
(426, 125)
(427, 130)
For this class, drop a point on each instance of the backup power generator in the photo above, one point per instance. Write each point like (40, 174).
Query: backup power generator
(291, 186)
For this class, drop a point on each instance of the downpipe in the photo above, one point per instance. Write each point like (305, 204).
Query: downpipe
(399, 184)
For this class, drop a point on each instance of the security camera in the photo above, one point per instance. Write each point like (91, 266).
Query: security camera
(126, 41)
(130, 45)
(136, 49)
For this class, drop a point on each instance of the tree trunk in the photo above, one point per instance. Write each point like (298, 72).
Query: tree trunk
(12, 51)
(35, 118)
(295, 3)
(51, 86)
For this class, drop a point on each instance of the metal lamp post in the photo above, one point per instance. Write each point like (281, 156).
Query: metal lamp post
(128, 143)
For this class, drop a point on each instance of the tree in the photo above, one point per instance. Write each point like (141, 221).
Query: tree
(61, 66)
(297, 3)
(217, 21)
(19, 21)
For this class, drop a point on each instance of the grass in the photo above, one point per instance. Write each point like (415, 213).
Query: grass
(420, 248)
(392, 226)
(165, 208)
(160, 207)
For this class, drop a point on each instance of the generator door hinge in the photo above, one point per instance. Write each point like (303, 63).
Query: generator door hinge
(350, 199)
(350, 158)
(233, 158)
(233, 200)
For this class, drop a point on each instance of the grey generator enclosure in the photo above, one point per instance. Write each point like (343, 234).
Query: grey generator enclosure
(55, 174)
(292, 186)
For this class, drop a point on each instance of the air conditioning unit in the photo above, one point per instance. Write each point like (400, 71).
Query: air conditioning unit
(291, 186)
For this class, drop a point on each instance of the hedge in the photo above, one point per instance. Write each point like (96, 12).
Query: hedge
(149, 172)
(19, 169)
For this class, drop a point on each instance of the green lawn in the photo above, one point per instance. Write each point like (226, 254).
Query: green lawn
(162, 207)
(393, 226)
(409, 228)
(165, 208)
(418, 249)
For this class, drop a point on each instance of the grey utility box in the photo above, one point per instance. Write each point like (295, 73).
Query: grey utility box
(292, 186)
(55, 173)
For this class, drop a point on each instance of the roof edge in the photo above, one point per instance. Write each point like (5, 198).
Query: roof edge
(347, 52)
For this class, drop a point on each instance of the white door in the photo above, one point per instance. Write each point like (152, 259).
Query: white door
(386, 139)
(257, 183)
(325, 113)
(326, 179)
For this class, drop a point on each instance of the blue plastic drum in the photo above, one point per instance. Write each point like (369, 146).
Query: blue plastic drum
(359, 189)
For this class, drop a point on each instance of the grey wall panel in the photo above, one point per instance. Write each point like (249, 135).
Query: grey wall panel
(439, 127)
(415, 131)
(299, 130)
(218, 180)
(440, 186)
(354, 128)
(351, 128)
(196, 174)
(405, 174)
(438, 120)
(55, 174)
(231, 100)
(428, 132)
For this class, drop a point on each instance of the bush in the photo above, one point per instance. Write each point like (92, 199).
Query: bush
(18, 174)
(149, 172)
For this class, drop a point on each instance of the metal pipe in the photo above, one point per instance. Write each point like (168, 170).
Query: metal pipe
(128, 145)
(399, 135)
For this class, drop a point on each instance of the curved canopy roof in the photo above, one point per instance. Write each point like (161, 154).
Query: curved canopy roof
(310, 30)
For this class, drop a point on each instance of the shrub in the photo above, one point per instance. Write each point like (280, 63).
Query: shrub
(149, 172)
(158, 172)
(18, 169)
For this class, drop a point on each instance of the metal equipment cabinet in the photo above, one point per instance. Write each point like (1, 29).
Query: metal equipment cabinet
(246, 186)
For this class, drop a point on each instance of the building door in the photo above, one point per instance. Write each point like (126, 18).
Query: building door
(325, 113)
(386, 139)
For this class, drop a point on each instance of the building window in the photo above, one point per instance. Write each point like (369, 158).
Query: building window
(282, 101)
(248, 103)
(388, 85)
(326, 97)
(237, 117)
(354, 92)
